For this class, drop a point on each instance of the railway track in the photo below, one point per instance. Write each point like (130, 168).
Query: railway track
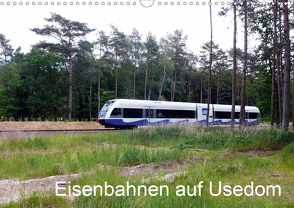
(45, 131)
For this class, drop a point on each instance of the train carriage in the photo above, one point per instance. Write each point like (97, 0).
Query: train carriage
(126, 113)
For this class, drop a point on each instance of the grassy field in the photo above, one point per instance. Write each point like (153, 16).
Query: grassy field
(170, 165)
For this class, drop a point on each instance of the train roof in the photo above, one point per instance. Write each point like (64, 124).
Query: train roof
(154, 103)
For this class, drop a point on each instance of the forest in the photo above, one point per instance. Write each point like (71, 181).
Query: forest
(72, 78)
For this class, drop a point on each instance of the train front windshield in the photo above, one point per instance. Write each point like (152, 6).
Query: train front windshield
(105, 108)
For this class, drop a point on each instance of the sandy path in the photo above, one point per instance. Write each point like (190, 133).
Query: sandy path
(47, 125)
(11, 190)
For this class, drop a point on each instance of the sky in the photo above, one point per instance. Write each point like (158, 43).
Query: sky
(160, 18)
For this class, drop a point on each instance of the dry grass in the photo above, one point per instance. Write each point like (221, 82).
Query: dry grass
(48, 125)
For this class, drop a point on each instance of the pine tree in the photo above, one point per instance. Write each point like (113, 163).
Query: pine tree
(234, 67)
(70, 35)
(286, 89)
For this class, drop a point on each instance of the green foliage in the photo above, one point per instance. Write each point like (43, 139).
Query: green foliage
(9, 93)
(35, 85)
(44, 84)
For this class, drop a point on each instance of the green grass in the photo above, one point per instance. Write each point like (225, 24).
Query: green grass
(39, 200)
(235, 157)
(239, 171)
(134, 156)
(42, 157)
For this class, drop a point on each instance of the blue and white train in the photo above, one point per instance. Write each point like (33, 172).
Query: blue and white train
(126, 113)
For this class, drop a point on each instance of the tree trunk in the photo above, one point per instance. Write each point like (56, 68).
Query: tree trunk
(171, 87)
(189, 90)
(217, 90)
(243, 95)
(146, 75)
(149, 94)
(201, 89)
(272, 68)
(175, 79)
(161, 83)
(174, 84)
(278, 63)
(210, 65)
(234, 69)
(70, 89)
(286, 90)
(90, 99)
(135, 81)
(115, 74)
(99, 84)
(281, 61)
(84, 101)
(293, 104)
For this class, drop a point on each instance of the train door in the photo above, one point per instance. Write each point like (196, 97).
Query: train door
(210, 116)
(150, 112)
(196, 114)
(202, 113)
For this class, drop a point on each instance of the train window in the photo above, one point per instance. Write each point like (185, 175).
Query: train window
(105, 108)
(237, 115)
(116, 112)
(225, 115)
(222, 115)
(253, 116)
(109, 103)
(174, 114)
(133, 113)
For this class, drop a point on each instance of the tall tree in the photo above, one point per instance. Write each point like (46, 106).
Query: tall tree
(152, 49)
(210, 65)
(103, 42)
(165, 56)
(234, 67)
(293, 104)
(126, 65)
(192, 60)
(203, 62)
(9, 80)
(277, 54)
(70, 35)
(243, 95)
(6, 52)
(137, 45)
(264, 22)
(6, 49)
(116, 42)
(178, 42)
(220, 65)
(286, 89)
